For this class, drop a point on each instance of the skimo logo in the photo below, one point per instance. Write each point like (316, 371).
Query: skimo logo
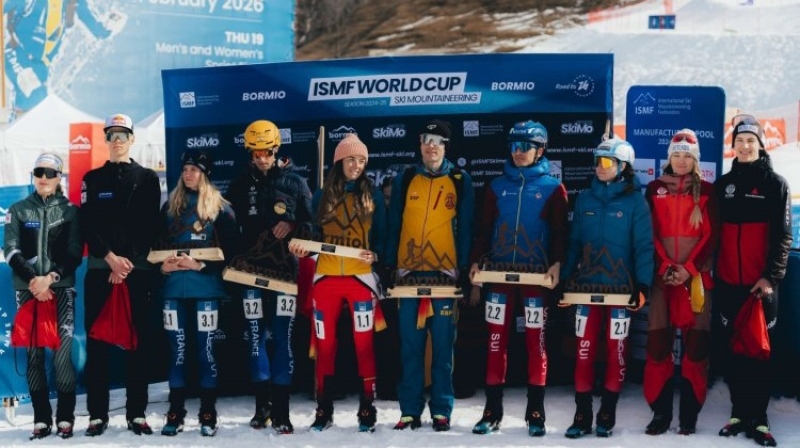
(203, 141)
(578, 127)
(390, 131)
(187, 99)
(264, 96)
(514, 85)
(339, 133)
(80, 143)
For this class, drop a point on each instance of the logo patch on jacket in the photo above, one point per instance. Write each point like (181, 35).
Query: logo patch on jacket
(661, 191)
(32, 224)
(105, 195)
(729, 190)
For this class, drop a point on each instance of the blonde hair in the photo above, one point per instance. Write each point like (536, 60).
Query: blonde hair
(209, 200)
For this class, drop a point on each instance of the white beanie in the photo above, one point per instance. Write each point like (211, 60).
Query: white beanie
(678, 144)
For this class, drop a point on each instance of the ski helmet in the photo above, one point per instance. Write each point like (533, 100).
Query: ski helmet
(261, 135)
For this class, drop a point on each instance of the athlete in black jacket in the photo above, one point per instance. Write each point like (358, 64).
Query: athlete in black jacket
(119, 217)
(755, 237)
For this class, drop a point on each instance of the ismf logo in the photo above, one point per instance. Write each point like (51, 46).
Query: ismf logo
(286, 136)
(472, 128)
(187, 99)
(644, 104)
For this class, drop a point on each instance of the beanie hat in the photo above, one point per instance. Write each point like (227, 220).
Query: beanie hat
(200, 159)
(440, 128)
(118, 121)
(748, 123)
(350, 146)
(684, 140)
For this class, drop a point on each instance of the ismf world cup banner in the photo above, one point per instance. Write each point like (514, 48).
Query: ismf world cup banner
(386, 101)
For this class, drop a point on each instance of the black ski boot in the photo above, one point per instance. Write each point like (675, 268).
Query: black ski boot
(280, 409)
(324, 416)
(689, 408)
(263, 405)
(209, 422)
(534, 412)
(662, 411)
(367, 416)
(582, 423)
(492, 411)
(607, 415)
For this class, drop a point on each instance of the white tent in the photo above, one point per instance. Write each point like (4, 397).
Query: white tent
(149, 149)
(43, 128)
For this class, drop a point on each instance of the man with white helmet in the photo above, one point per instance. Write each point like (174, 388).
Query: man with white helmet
(610, 248)
(271, 201)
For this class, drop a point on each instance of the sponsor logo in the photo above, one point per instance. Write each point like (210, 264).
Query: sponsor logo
(80, 143)
(390, 131)
(264, 96)
(187, 99)
(729, 190)
(238, 140)
(644, 104)
(203, 141)
(582, 86)
(286, 136)
(578, 127)
(513, 85)
(472, 128)
(403, 89)
(340, 132)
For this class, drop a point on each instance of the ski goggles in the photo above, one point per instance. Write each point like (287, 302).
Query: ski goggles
(433, 139)
(49, 173)
(684, 137)
(117, 135)
(265, 153)
(523, 146)
(604, 162)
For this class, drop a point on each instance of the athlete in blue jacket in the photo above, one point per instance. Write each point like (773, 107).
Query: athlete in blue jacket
(196, 216)
(610, 248)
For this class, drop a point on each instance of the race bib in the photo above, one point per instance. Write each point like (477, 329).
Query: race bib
(207, 315)
(286, 305)
(170, 315)
(534, 312)
(581, 319)
(319, 326)
(620, 323)
(363, 316)
(253, 309)
(496, 308)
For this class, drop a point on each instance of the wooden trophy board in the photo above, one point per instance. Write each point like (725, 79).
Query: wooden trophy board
(260, 281)
(424, 291)
(522, 278)
(581, 298)
(205, 253)
(330, 249)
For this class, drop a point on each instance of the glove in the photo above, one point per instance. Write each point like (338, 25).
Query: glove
(557, 293)
(463, 282)
(386, 274)
(639, 296)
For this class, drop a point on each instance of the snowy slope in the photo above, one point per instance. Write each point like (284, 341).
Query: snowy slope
(632, 416)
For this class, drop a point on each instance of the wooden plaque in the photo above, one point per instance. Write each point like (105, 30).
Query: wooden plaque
(205, 253)
(522, 278)
(586, 298)
(260, 281)
(330, 249)
(424, 291)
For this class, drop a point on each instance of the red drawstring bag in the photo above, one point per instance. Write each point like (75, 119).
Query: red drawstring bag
(680, 306)
(115, 324)
(36, 325)
(750, 337)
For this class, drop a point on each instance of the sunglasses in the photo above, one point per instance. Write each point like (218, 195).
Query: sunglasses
(604, 162)
(522, 146)
(684, 137)
(118, 135)
(743, 119)
(264, 153)
(433, 139)
(49, 173)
